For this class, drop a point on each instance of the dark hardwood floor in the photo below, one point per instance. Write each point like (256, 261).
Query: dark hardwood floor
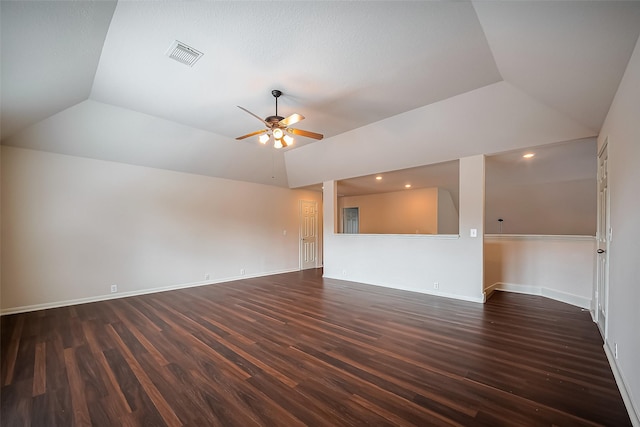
(294, 349)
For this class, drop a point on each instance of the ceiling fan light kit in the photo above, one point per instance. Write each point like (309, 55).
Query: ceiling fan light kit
(277, 126)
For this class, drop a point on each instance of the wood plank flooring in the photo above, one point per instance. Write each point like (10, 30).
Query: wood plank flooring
(295, 349)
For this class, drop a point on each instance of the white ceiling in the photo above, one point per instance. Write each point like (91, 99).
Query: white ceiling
(567, 161)
(444, 175)
(91, 79)
(552, 163)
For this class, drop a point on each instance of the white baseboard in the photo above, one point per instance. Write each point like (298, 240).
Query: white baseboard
(634, 414)
(479, 299)
(97, 298)
(576, 300)
(469, 298)
(489, 290)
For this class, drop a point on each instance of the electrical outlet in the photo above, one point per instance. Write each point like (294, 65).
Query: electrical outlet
(615, 350)
(242, 271)
(436, 285)
(114, 289)
(207, 277)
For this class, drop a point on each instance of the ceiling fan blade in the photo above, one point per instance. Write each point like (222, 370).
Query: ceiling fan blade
(252, 134)
(294, 118)
(305, 133)
(259, 118)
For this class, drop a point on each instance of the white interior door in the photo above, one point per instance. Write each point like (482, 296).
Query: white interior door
(351, 220)
(308, 234)
(603, 237)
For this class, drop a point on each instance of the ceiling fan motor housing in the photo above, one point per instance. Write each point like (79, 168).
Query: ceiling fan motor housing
(273, 120)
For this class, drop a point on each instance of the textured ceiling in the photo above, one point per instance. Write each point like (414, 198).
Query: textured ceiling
(50, 52)
(92, 79)
(340, 64)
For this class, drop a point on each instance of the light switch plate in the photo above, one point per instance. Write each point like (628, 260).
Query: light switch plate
(473, 232)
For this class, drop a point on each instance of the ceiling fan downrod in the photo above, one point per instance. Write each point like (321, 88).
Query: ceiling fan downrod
(276, 94)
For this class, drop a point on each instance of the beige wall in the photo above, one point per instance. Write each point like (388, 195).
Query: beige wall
(447, 213)
(419, 211)
(399, 212)
(560, 267)
(561, 208)
(622, 129)
(72, 227)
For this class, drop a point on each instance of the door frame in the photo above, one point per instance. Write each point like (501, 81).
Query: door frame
(603, 238)
(300, 238)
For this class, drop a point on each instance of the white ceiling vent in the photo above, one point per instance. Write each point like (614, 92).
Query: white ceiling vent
(183, 53)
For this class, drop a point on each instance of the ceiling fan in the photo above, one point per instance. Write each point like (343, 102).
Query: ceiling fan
(278, 127)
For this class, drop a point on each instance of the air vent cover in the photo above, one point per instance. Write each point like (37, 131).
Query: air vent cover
(183, 53)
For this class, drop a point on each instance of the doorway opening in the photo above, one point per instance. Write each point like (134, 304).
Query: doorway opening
(603, 234)
(308, 234)
(350, 220)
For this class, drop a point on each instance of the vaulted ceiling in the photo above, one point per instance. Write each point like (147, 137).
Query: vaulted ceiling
(390, 84)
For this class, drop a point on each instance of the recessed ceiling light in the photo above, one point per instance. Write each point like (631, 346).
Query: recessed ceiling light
(378, 178)
(407, 186)
(528, 155)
